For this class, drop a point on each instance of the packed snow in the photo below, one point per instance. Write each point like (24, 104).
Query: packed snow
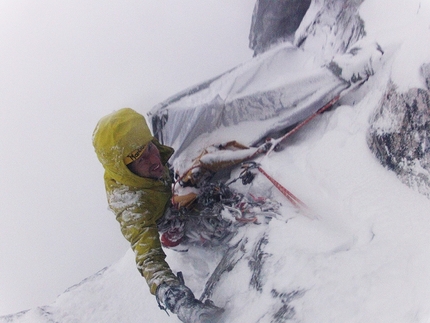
(363, 257)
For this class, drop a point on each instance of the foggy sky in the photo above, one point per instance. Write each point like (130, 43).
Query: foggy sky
(64, 65)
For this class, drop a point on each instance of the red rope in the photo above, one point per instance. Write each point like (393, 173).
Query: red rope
(290, 196)
(308, 119)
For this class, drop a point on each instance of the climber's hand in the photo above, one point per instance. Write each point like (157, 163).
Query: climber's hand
(170, 295)
(179, 299)
(194, 311)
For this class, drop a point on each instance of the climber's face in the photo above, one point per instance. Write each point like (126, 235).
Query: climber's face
(148, 164)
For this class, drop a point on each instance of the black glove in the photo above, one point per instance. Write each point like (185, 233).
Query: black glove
(171, 295)
(194, 311)
(179, 299)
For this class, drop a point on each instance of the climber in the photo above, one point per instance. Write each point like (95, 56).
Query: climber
(138, 188)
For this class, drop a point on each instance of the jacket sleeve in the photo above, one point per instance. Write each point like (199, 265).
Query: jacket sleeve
(137, 214)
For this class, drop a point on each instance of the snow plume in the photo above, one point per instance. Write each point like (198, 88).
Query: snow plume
(366, 257)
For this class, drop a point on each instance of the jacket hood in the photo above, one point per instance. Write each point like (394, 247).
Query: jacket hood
(118, 134)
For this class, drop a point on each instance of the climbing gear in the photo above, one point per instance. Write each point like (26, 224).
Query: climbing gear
(275, 142)
(231, 206)
(248, 166)
(290, 196)
(210, 161)
(214, 217)
(173, 236)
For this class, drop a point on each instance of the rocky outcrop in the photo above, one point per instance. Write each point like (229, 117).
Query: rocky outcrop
(306, 23)
(275, 21)
(331, 27)
(399, 135)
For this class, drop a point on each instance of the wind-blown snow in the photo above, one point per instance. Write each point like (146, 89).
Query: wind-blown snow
(405, 26)
(366, 256)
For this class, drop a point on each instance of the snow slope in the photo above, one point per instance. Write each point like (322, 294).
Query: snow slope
(363, 255)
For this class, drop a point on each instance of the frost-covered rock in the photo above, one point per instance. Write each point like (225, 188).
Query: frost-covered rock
(400, 134)
(326, 27)
(275, 21)
(330, 27)
(359, 63)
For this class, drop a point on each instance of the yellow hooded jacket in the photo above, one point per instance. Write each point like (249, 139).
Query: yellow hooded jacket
(137, 202)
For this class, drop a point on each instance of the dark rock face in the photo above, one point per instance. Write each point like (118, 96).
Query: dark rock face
(399, 135)
(275, 21)
(336, 21)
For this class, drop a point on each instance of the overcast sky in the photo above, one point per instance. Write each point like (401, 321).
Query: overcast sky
(64, 65)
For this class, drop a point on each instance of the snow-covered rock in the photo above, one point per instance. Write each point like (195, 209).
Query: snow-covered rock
(400, 135)
(330, 27)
